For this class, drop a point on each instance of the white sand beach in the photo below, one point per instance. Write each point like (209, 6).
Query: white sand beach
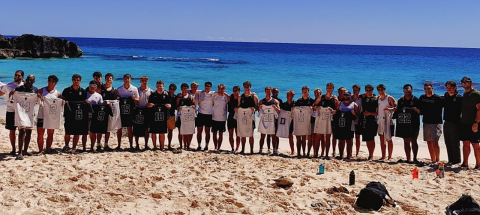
(155, 182)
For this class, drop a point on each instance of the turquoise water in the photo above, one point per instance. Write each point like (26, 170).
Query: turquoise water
(286, 66)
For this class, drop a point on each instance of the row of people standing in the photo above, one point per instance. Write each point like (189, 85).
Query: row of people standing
(351, 116)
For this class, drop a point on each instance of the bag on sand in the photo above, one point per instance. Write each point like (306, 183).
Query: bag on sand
(466, 205)
(373, 196)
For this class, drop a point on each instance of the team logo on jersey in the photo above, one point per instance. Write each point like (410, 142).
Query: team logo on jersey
(101, 115)
(52, 109)
(78, 114)
(125, 109)
(139, 119)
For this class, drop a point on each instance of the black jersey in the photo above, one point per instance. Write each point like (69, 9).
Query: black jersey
(247, 102)
(158, 119)
(185, 101)
(100, 115)
(76, 117)
(108, 95)
(325, 103)
(304, 102)
(126, 111)
(407, 120)
(232, 104)
(370, 104)
(159, 98)
(139, 122)
(343, 125)
(452, 107)
(268, 103)
(287, 107)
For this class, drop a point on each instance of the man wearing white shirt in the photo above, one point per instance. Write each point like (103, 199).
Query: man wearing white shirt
(144, 93)
(10, 113)
(204, 117)
(125, 91)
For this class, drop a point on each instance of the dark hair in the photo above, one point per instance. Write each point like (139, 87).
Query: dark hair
(407, 86)
(75, 76)
(247, 83)
(305, 87)
(160, 82)
(330, 84)
(451, 83)
(268, 87)
(173, 85)
(92, 82)
(357, 86)
(208, 83)
(108, 75)
(97, 74)
(381, 86)
(127, 76)
(184, 85)
(428, 84)
(275, 88)
(368, 86)
(21, 72)
(236, 87)
(53, 78)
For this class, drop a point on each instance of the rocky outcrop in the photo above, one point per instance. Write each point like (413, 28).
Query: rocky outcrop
(33, 46)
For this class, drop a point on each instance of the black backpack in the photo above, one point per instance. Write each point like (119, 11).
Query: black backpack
(466, 205)
(373, 196)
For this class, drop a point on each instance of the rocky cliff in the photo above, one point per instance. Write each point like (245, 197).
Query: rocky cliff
(33, 46)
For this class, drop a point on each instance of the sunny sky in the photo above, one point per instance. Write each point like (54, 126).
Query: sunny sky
(367, 22)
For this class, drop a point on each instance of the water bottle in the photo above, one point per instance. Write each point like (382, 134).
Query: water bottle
(441, 168)
(321, 169)
(352, 178)
(415, 173)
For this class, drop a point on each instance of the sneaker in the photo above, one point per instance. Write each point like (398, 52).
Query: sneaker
(65, 148)
(27, 154)
(206, 148)
(99, 149)
(199, 148)
(464, 165)
(13, 153)
(106, 148)
(19, 157)
(146, 148)
(476, 167)
(118, 148)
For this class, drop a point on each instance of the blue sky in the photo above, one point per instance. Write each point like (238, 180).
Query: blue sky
(369, 22)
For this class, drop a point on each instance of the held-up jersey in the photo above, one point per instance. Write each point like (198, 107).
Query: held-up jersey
(139, 121)
(267, 117)
(301, 120)
(343, 124)
(24, 108)
(283, 124)
(126, 111)
(77, 114)
(245, 119)
(52, 113)
(114, 121)
(187, 116)
(323, 122)
(158, 119)
(100, 117)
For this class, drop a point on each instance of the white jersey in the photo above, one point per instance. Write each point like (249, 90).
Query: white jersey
(24, 108)
(267, 116)
(51, 112)
(323, 122)
(187, 117)
(45, 94)
(143, 97)
(114, 121)
(245, 119)
(301, 120)
(384, 118)
(95, 98)
(283, 124)
(205, 102)
(125, 93)
(219, 108)
(7, 89)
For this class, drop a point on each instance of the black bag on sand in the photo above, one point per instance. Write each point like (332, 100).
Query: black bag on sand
(373, 196)
(466, 205)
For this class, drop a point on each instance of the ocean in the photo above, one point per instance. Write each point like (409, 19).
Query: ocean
(286, 66)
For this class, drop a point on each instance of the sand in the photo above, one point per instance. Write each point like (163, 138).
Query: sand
(155, 182)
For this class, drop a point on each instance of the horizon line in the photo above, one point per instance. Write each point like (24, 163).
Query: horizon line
(225, 41)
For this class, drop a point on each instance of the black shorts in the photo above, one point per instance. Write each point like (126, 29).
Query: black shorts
(343, 134)
(466, 133)
(39, 123)
(370, 128)
(231, 122)
(203, 120)
(10, 121)
(358, 129)
(218, 126)
(72, 128)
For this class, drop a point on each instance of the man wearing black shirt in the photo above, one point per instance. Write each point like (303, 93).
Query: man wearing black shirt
(451, 127)
(73, 93)
(159, 99)
(470, 120)
(431, 106)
